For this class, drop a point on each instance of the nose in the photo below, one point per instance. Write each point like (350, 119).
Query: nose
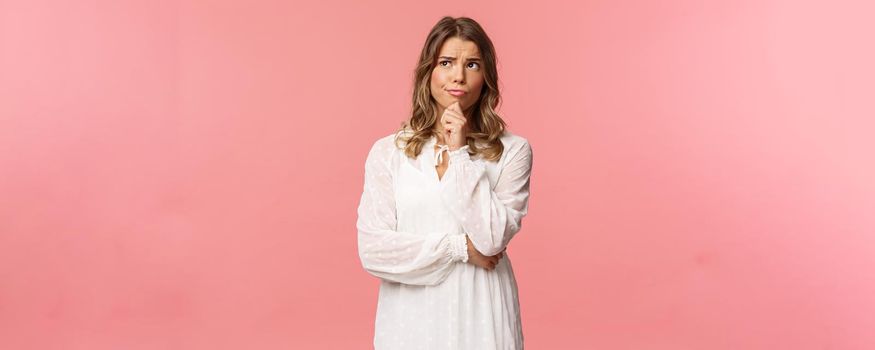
(459, 74)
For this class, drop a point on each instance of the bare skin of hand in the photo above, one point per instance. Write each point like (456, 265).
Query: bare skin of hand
(454, 127)
(484, 261)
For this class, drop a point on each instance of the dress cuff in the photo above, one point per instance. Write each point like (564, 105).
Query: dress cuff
(458, 247)
(459, 155)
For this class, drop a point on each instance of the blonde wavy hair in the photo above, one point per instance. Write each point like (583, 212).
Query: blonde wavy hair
(485, 125)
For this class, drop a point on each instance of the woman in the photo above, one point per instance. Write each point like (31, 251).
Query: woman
(443, 196)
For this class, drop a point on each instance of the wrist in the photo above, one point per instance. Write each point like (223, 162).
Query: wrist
(458, 250)
(459, 154)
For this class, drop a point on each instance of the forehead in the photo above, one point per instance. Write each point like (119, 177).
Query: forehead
(457, 47)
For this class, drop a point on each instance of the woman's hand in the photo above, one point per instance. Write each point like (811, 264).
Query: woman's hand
(453, 123)
(486, 262)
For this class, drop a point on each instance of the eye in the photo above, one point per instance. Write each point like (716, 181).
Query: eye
(442, 62)
(478, 64)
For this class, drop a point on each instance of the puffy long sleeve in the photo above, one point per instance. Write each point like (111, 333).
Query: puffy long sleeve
(405, 257)
(490, 217)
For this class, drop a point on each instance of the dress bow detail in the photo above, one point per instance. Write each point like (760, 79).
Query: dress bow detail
(438, 158)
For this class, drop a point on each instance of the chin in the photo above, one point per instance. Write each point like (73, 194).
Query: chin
(462, 103)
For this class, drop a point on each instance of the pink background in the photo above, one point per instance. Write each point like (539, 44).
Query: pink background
(184, 175)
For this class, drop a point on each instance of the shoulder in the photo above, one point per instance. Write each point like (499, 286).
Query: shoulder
(511, 139)
(395, 139)
(515, 145)
(384, 148)
(383, 142)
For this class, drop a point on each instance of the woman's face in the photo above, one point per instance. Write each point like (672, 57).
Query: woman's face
(458, 67)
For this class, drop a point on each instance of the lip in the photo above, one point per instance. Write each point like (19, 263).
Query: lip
(456, 93)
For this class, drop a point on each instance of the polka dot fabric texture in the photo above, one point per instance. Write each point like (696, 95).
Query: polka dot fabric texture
(412, 227)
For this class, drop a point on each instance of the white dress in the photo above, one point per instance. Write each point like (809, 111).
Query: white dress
(411, 234)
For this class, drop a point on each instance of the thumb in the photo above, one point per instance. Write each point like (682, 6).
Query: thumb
(452, 106)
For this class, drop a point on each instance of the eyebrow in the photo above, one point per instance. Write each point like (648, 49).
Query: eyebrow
(452, 58)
